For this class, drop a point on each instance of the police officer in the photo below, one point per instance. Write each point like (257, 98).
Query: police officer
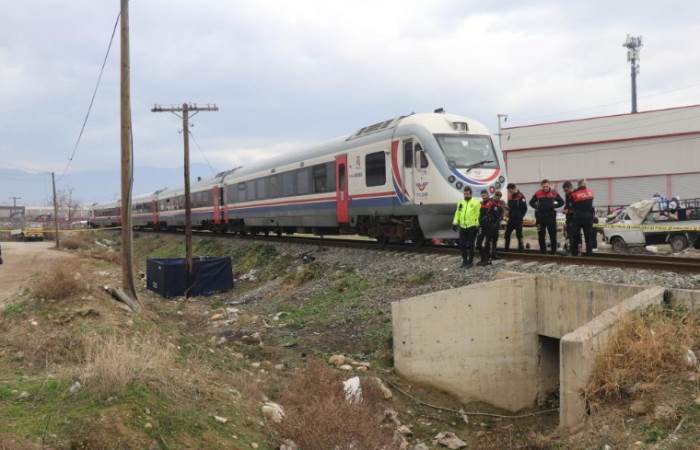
(545, 202)
(569, 212)
(582, 205)
(517, 207)
(466, 221)
(485, 205)
(490, 224)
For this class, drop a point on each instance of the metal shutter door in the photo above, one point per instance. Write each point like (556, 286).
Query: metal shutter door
(600, 191)
(528, 190)
(629, 190)
(686, 185)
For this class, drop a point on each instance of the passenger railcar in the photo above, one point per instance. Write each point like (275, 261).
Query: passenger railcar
(106, 215)
(397, 180)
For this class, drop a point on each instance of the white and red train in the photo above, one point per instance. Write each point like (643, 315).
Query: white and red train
(396, 180)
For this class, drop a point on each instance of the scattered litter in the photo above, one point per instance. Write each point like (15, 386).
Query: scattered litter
(353, 390)
(272, 411)
(449, 440)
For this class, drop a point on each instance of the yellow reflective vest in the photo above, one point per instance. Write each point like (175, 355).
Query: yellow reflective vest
(467, 213)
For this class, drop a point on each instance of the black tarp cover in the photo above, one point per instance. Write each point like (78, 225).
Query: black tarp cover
(166, 276)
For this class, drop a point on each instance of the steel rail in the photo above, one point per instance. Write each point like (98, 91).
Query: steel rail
(623, 261)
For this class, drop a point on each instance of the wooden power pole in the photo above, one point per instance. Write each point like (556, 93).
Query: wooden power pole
(126, 158)
(185, 109)
(55, 209)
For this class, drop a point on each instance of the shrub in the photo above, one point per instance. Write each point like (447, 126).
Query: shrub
(74, 243)
(58, 283)
(318, 417)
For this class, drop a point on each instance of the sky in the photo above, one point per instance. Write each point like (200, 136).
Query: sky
(289, 74)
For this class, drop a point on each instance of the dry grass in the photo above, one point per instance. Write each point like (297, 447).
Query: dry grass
(645, 348)
(113, 362)
(76, 242)
(9, 442)
(319, 418)
(59, 282)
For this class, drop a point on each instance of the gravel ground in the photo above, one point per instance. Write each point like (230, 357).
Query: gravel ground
(448, 273)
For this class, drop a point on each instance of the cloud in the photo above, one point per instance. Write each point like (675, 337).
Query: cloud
(289, 74)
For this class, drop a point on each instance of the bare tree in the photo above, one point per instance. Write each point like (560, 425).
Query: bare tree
(67, 202)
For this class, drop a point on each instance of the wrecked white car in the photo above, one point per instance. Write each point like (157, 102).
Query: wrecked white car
(647, 223)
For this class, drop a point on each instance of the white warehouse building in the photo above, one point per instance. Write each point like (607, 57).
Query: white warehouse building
(625, 157)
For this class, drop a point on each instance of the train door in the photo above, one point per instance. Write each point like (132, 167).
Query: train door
(216, 201)
(408, 170)
(341, 188)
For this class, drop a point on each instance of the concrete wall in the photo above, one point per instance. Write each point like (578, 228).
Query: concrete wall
(478, 342)
(683, 298)
(563, 306)
(579, 349)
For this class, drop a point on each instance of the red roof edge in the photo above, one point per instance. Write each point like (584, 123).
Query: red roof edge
(601, 117)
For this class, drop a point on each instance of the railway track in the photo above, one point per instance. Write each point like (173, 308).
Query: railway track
(624, 261)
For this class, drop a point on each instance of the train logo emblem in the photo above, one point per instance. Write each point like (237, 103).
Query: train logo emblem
(422, 185)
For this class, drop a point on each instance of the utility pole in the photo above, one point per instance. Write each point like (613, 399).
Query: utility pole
(186, 109)
(55, 209)
(633, 44)
(501, 118)
(14, 201)
(128, 285)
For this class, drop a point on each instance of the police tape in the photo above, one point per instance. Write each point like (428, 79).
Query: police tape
(621, 226)
(45, 231)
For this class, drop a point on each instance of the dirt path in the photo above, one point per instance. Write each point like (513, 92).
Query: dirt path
(21, 260)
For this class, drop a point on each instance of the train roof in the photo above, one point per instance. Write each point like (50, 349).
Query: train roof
(436, 123)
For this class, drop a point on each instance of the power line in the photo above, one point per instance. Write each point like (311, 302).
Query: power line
(92, 100)
(201, 152)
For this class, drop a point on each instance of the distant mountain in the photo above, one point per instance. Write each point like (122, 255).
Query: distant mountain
(89, 186)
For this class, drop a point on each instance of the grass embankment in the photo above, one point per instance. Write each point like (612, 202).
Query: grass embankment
(78, 371)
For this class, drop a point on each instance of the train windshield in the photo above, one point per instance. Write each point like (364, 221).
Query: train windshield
(475, 151)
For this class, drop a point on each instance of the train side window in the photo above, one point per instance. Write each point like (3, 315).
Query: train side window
(303, 182)
(421, 158)
(250, 190)
(288, 182)
(375, 166)
(274, 186)
(320, 177)
(408, 154)
(261, 187)
(330, 172)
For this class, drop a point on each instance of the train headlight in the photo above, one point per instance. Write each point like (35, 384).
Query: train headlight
(492, 189)
(451, 179)
(498, 185)
(459, 185)
(502, 179)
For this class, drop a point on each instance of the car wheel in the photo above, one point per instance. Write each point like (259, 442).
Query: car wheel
(618, 244)
(679, 242)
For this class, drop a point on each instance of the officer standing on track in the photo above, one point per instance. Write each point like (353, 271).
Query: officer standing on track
(490, 225)
(569, 211)
(545, 202)
(582, 204)
(517, 207)
(485, 205)
(466, 221)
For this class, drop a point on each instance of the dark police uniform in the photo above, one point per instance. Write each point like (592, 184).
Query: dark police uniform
(490, 224)
(582, 205)
(517, 207)
(545, 204)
